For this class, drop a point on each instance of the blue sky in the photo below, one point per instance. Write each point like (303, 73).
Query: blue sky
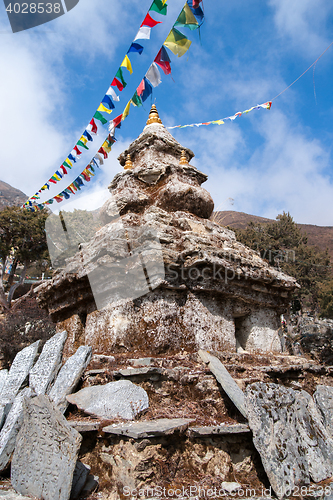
(53, 78)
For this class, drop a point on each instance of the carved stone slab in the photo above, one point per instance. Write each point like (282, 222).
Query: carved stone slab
(46, 452)
(11, 428)
(69, 376)
(3, 378)
(289, 435)
(17, 374)
(149, 428)
(324, 400)
(115, 399)
(224, 378)
(48, 364)
(218, 429)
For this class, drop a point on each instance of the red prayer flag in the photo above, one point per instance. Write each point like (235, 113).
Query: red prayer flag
(87, 178)
(58, 199)
(165, 65)
(77, 150)
(103, 152)
(117, 120)
(196, 3)
(93, 126)
(51, 180)
(141, 87)
(149, 21)
(63, 169)
(118, 84)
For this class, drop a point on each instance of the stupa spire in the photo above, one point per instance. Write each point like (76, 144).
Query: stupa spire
(154, 117)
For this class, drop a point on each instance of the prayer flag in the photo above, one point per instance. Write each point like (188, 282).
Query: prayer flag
(103, 152)
(177, 42)
(120, 77)
(77, 185)
(135, 47)
(106, 146)
(78, 180)
(149, 21)
(63, 169)
(163, 60)
(112, 93)
(72, 158)
(159, 6)
(93, 126)
(65, 194)
(136, 100)
(117, 121)
(143, 34)
(87, 135)
(127, 64)
(153, 75)
(187, 19)
(197, 12)
(59, 174)
(141, 87)
(126, 111)
(85, 176)
(147, 91)
(77, 151)
(102, 108)
(99, 158)
(82, 145)
(118, 84)
(108, 101)
(100, 117)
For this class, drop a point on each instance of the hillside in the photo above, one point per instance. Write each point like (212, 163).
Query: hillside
(10, 196)
(318, 236)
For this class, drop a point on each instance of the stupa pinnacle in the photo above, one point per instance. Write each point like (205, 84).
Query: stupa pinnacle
(153, 117)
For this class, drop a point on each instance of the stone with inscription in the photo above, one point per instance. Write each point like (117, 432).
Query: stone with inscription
(46, 452)
(69, 376)
(289, 435)
(323, 397)
(11, 428)
(17, 374)
(115, 399)
(149, 428)
(45, 370)
(3, 378)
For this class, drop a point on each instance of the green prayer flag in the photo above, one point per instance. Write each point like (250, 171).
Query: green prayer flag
(177, 42)
(120, 77)
(82, 145)
(65, 164)
(100, 117)
(187, 19)
(136, 100)
(158, 6)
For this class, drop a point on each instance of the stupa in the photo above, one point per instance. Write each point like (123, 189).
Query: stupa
(160, 276)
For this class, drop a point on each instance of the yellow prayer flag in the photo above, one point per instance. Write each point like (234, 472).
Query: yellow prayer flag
(83, 139)
(126, 110)
(69, 162)
(101, 107)
(106, 147)
(127, 64)
(177, 42)
(218, 122)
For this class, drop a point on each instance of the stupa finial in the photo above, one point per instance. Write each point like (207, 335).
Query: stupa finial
(153, 116)
(128, 164)
(183, 158)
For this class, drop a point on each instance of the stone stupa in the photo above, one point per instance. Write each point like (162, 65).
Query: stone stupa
(160, 276)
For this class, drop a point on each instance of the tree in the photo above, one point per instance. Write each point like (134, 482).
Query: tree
(22, 242)
(284, 246)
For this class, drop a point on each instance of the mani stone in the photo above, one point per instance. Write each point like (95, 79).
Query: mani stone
(17, 374)
(46, 452)
(69, 376)
(289, 435)
(11, 428)
(149, 428)
(225, 379)
(324, 400)
(48, 364)
(116, 399)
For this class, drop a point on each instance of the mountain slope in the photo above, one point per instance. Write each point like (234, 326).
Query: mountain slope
(10, 196)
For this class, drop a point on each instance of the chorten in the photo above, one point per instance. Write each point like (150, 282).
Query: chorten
(160, 276)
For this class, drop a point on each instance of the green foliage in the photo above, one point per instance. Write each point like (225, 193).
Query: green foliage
(284, 246)
(326, 299)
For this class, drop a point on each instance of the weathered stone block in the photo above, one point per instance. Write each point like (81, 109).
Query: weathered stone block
(45, 370)
(69, 376)
(46, 452)
(11, 428)
(17, 374)
(289, 435)
(324, 400)
(149, 428)
(115, 399)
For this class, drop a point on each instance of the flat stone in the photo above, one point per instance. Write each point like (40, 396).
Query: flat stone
(324, 400)
(3, 378)
(149, 428)
(80, 476)
(69, 377)
(11, 428)
(46, 452)
(289, 435)
(225, 379)
(115, 399)
(218, 429)
(131, 372)
(140, 361)
(17, 374)
(85, 426)
(12, 495)
(45, 370)
(102, 358)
